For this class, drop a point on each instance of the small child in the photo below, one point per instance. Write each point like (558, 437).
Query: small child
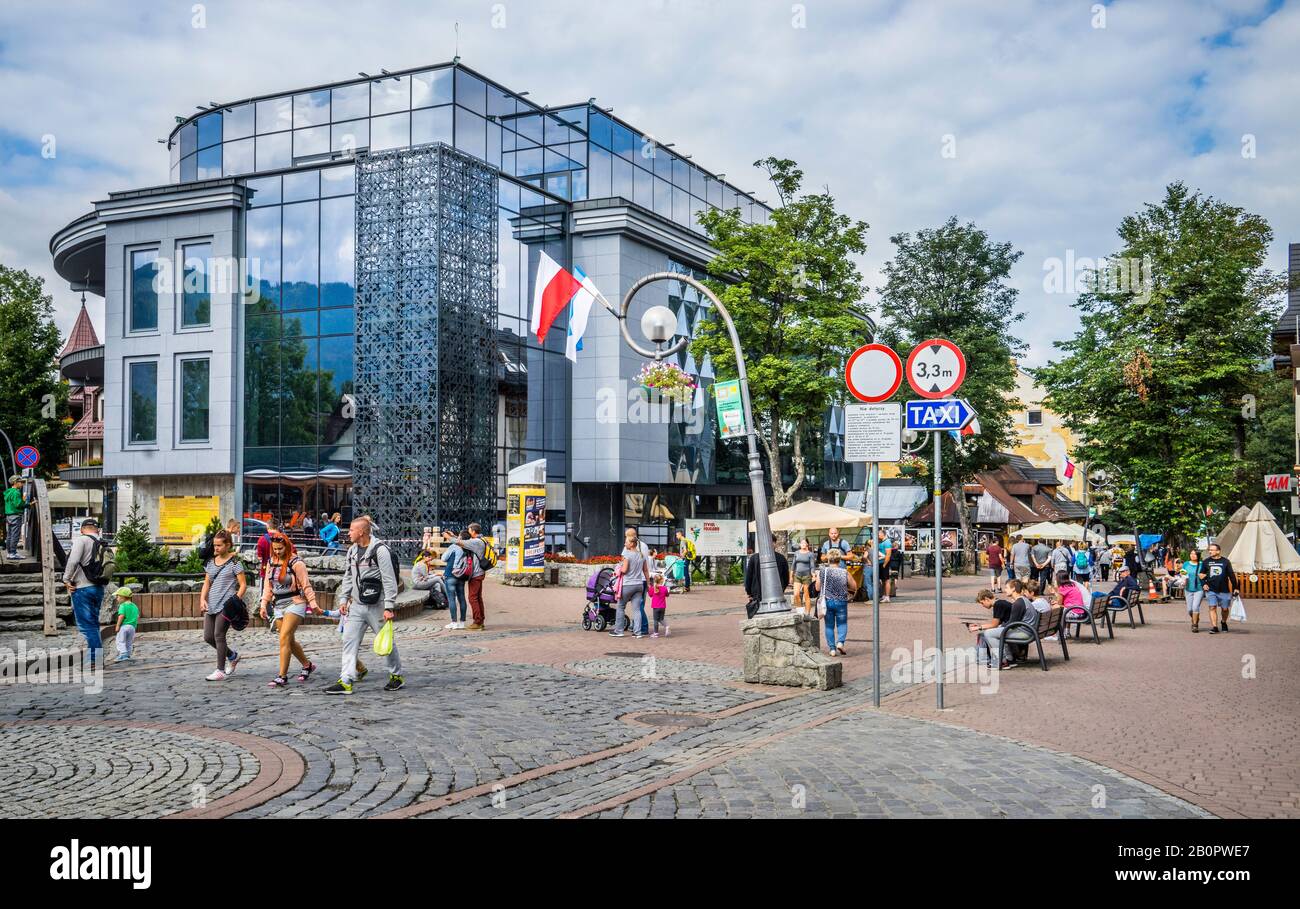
(128, 616)
(659, 603)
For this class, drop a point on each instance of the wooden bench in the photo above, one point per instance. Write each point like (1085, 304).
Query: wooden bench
(1091, 615)
(1132, 600)
(1027, 632)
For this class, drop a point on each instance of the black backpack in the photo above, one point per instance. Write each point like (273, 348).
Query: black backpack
(206, 549)
(94, 568)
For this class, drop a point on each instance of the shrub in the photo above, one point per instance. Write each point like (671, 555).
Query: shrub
(133, 547)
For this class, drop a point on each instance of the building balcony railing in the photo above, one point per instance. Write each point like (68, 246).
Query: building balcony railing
(85, 365)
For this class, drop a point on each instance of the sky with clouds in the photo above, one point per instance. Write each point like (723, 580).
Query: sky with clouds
(1043, 122)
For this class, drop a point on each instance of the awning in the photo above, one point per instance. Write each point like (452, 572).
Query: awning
(85, 499)
(812, 515)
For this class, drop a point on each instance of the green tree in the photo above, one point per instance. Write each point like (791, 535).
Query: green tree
(951, 282)
(33, 400)
(134, 548)
(1270, 438)
(792, 287)
(1172, 336)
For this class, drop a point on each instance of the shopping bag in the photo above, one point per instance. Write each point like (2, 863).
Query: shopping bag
(384, 640)
(821, 597)
(1238, 612)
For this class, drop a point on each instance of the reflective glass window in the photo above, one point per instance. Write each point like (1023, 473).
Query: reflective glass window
(311, 109)
(261, 401)
(209, 129)
(578, 184)
(663, 202)
(681, 206)
(432, 124)
(336, 379)
(176, 173)
(601, 130)
(340, 321)
(499, 103)
(348, 137)
(237, 157)
(300, 252)
(274, 115)
(389, 96)
(392, 131)
(471, 132)
(625, 141)
(697, 206)
(508, 195)
(337, 252)
(598, 173)
(189, 139)
(350, 102)
(528, 161)
(308, 142)
(558, 184)
(681, 173)
(557, 131)
(623, 183)
(237, 123)
(713, 192)
(194, 398)
(264, 191)
(144, 293)
(338, 181)
(301, 185)
(142, 384)
(196, 297)
(529, 129)
(298, 394)
(576, 117)
(262, 245)
(577, 153)
(430, 88)
(697, 182)
(189, 168)
(471, 92)
(555, 159)
(644, 189)
(208, 163)
(274, 151)
(301, 324)
(529, 199)
(661, 161)
(174, 151)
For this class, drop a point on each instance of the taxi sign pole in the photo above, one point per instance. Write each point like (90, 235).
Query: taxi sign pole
(938, 570)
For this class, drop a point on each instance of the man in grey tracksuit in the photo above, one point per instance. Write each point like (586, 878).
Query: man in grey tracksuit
(368, 559)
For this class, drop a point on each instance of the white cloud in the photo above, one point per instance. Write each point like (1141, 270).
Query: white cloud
(1061, 129)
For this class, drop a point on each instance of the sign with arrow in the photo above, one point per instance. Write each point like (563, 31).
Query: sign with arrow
(936, 368)
(930, 416)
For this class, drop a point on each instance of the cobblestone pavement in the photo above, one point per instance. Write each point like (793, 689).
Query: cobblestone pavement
(537, 718)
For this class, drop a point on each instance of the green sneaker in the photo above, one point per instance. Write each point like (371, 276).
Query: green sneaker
(339, 687)
(394, 682)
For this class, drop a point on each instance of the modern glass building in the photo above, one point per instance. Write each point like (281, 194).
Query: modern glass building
(244, 385)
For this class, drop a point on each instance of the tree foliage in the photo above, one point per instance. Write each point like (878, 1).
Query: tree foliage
(951, 282)
(33, 400)
(1154, 379)
(792, 286)
(133, 545)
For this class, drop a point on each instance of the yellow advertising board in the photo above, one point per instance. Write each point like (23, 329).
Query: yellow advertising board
(179, 515)
(525, 529)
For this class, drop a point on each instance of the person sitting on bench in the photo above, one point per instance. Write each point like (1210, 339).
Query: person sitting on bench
(1126, 583)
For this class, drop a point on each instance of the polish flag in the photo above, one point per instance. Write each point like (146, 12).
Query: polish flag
(579, 312)
(554, 289)
(1069, 468)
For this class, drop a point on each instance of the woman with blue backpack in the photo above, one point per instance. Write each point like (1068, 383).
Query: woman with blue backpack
(1082, 564)
(456, 576)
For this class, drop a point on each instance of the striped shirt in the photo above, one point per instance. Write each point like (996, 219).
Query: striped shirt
(224, 582)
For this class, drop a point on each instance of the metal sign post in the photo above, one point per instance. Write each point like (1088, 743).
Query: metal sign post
(874, 474)
(938, 570)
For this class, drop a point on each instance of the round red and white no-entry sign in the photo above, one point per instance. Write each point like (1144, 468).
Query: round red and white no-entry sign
(873, 373)
(936, 368)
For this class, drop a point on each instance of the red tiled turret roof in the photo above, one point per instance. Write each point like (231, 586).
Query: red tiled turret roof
(82, 335)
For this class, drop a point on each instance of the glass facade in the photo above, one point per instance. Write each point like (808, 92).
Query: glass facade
(144, 291)
(196, 298)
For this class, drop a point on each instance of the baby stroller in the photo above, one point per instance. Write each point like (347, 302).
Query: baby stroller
(599, 613)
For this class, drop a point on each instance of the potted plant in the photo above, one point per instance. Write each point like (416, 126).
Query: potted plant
(668, 380)
(913, 467)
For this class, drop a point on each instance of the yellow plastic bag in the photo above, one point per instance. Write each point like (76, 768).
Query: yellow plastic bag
(384, 640)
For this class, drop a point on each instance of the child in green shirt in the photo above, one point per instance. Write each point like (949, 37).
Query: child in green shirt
(128, 615)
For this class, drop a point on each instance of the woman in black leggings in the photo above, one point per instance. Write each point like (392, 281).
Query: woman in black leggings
(223, 578)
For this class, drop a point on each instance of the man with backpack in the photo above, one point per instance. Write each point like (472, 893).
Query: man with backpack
(84, 578)
(484, 556)
(367, 598)
(686, 549)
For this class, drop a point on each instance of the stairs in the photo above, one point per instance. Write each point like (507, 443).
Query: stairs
(22, 603)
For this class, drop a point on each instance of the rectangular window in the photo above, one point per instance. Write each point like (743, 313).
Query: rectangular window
(142, 406)
(274, 115)
(144, 295)
(194, 400)
(196, 296)
(1034, 418)
(433, 87)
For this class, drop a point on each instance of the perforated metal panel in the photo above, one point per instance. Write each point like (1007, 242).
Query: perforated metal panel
(426, 313)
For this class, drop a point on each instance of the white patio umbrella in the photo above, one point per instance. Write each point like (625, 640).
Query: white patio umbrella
(812, 515)
(1261, 545)
(1046, 530)
(1232, 530)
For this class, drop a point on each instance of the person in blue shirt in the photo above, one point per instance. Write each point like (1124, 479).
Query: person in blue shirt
(1195, 589)
(329, 535)
(888, 566)
(1125, 584)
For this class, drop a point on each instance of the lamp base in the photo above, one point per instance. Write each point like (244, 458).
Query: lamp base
(782, 649)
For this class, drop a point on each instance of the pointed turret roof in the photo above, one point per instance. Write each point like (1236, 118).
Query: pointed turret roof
(82, 334)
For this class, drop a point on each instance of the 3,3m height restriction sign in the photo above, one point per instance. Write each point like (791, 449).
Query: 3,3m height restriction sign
(936, 368)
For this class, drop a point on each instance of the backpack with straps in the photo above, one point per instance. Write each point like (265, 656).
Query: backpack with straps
(94, 568)
(490, 556)
(1081, 561)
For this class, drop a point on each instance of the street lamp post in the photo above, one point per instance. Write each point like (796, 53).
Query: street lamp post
(659, 324)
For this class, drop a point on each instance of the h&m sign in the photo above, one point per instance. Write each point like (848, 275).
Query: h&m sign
(1279, 482)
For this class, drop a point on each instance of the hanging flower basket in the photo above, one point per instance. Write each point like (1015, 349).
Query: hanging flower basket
(668, 380)
(913, 467)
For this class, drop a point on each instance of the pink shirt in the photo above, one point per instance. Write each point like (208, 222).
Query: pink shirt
(1071, 595)
(659, 597)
